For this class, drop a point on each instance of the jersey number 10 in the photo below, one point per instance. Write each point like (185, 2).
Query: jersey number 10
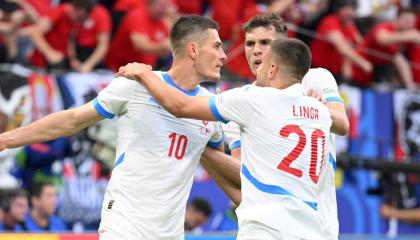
(179, 145)
(294, 154)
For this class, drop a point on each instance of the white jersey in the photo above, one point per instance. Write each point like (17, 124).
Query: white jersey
(157, 155)
(324, 83)
(283, 136)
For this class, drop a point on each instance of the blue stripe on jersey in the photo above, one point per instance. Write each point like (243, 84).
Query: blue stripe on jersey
(235, 144)
(119, 160)
(104, 113)
(332, 162)
(169, 80)
(213, 108)
(215, 144)
(334, 99)
(273, 189)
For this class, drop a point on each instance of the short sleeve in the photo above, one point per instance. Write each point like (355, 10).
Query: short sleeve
(217, 139)
(323, 82)
(113, 100)
(232, 132)
(234, 105)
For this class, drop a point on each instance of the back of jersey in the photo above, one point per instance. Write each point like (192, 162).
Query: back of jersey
(283, 135)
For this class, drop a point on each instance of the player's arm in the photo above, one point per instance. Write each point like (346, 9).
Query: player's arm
(53, 126)
(173, 100)
(225, 171)
(323, 86)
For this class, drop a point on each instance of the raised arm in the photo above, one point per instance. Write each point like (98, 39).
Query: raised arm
(53, 126)
(173, 100)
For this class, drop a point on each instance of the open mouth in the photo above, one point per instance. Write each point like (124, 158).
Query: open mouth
(257, 63)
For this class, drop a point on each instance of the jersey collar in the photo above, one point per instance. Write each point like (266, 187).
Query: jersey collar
(169, 80)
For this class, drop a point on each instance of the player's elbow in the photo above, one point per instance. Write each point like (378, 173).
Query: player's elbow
(342, 128)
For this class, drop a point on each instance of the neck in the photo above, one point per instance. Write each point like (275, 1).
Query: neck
(184, 75)
(40, 218)
(282, 83)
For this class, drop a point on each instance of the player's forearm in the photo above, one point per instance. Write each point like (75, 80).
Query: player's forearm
(170, 98)
(54, 126)
(225, 165)
(340, 122)
(230, 188)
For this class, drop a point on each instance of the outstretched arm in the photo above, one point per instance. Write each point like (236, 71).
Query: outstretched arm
(173, 100)
(53, 126)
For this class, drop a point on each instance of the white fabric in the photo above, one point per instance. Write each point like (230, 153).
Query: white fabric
(150, 188)
(261, 113)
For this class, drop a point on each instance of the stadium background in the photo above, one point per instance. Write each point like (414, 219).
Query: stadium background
(373, 161)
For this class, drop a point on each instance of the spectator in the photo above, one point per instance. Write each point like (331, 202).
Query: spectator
(51, 35)
(90, 45)
(382, 47)
(142, 36)
(334, 47)
(14, 205)
(197, 213)
(42, 216)
(120, 8)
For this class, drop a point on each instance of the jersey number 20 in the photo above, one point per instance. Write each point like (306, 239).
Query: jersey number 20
(179, 144)
(294, 154)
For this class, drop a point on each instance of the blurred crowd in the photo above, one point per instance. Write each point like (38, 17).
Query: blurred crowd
(360, 42)
(364, 43)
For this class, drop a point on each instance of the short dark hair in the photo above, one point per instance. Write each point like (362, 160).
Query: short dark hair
(294, 54)
(186, 27)
(266, 20)
(201, 205)
(87, 5)
(38, 187)
(8, 196)
(338, 4)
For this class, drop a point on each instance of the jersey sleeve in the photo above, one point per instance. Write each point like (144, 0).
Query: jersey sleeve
(323, 82)
(232, 133)
(234, 105)
(113, 100)
(217, 139)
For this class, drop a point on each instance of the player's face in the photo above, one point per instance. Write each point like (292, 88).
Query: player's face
(257, 41)
(263, 70)
(210, 57)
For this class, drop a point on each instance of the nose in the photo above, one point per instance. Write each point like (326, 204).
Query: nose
(257, 49)
(222, 56)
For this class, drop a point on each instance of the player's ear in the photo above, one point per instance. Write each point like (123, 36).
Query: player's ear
(192, 50)
(273, 71)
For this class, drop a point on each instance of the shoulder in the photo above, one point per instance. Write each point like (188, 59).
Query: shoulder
(317, 76)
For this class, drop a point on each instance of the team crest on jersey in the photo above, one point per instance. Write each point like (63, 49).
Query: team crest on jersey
(205, 122)
(204, 131)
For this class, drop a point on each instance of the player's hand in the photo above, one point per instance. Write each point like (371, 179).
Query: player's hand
(314, 94)
(133, 71)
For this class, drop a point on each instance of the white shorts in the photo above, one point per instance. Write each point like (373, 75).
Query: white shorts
(253, 230)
